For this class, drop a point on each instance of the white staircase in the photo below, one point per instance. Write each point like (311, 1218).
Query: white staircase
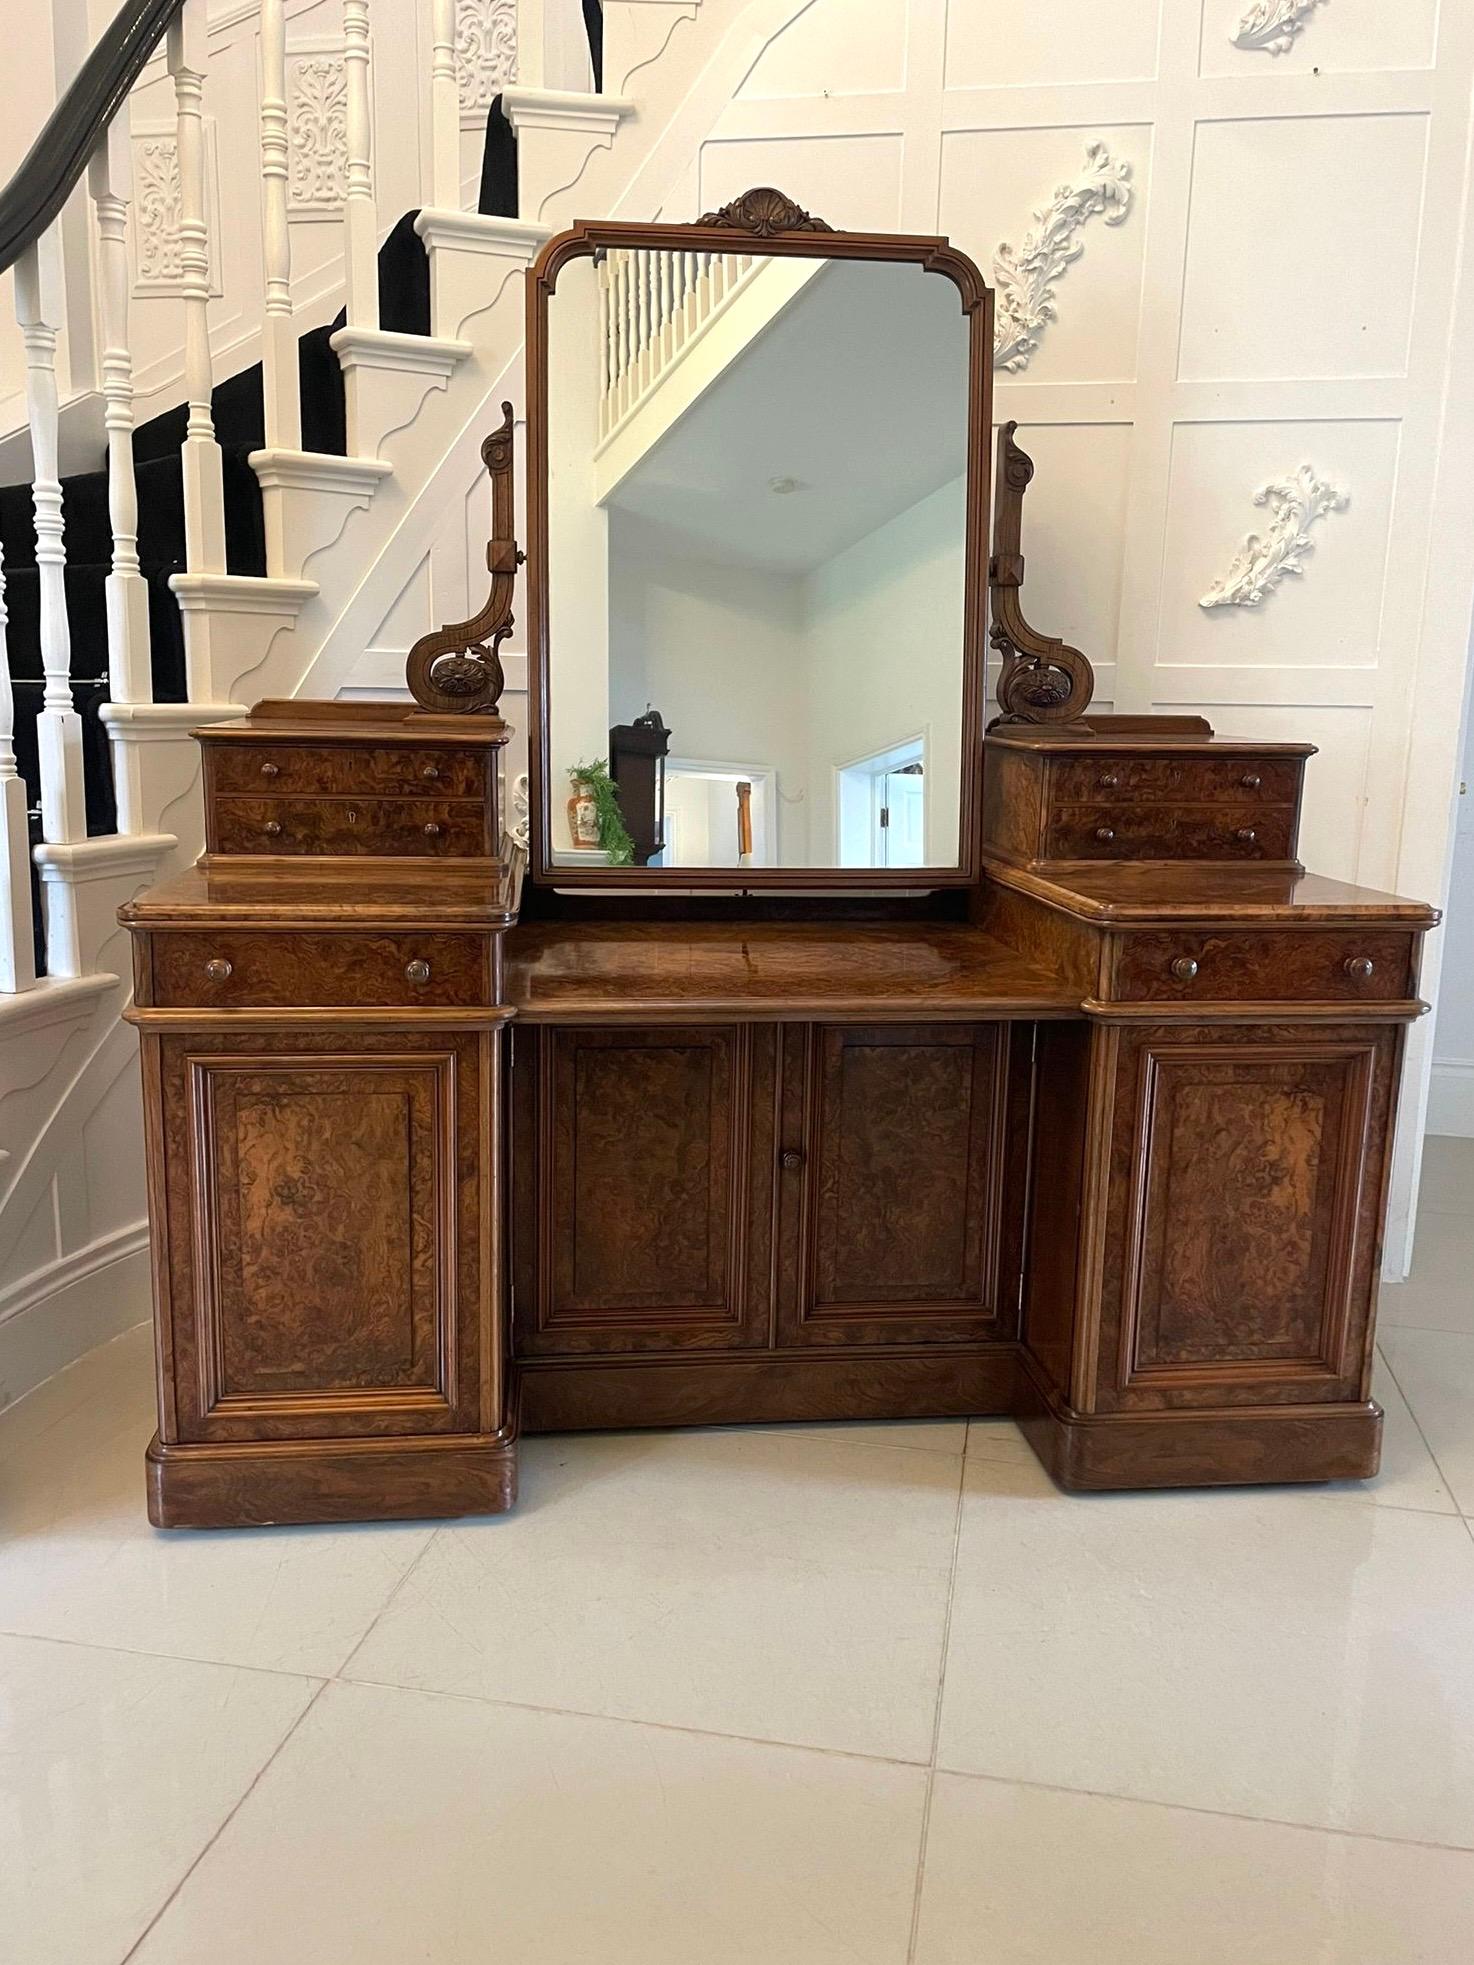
(353, 543)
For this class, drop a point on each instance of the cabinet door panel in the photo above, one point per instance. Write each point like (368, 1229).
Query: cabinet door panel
(892, 1208)
(1247, 1170)
(324, 1261)
(644, 1170)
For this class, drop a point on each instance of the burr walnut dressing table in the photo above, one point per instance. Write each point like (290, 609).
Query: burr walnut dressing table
(879, 1067)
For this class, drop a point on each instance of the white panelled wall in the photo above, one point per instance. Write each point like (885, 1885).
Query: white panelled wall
(1229, 243)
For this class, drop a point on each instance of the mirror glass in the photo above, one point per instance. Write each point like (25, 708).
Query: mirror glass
(757, 489)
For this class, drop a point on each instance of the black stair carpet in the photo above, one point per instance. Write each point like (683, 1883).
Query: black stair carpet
(238, 408)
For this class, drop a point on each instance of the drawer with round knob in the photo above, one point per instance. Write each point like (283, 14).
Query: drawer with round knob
(1144, 832)
(1188, 780)
(393, 828)
(1235, 966)
(323, 770)
(232, 969)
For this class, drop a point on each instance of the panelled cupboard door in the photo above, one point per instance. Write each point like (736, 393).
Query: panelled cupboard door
(643, 1163)
(1247, 1168)
(891, 1179)
(323, 1253)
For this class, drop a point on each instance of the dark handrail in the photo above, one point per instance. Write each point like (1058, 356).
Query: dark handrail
(73, 130)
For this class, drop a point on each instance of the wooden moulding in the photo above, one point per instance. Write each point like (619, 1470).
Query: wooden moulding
(1203, 1448)
(263, 1484)
(557, 1395)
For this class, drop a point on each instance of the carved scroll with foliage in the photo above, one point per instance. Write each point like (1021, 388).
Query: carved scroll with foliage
(457, 670)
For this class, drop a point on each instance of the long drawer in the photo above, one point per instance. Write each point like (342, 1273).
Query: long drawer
(1118, 780)
(1145, 832)
(403, 828)
(245, 969)
(1308, 965)
(325, 770)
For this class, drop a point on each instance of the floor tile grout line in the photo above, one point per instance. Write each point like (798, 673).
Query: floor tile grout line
(168, 1657)
(1215, 1814)
(372, 1624)
(630, 1719)
(936, 1726)
(1448, 1486)
(253, 1784)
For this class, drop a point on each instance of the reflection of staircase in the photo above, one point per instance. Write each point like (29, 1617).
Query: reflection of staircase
(671, 324)
(255, 539)
(652, 305)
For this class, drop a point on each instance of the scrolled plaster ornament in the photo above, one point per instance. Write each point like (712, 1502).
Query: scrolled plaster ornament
(1274, 25)
(1261, 563)
(1024, 278)
(519, 830)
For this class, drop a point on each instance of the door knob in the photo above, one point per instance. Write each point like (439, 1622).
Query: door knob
(1359, 966)
(1105, 834)
(1246, 835)
(417, 971)
(790, 1159)
(270, 770)
(1251, 781)
(1184, 968)
(218, 969)
(431, 829)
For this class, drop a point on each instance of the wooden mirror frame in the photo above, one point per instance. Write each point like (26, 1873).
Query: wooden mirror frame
(771, 223)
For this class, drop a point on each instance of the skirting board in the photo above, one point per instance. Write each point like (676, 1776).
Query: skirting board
(1451, 1099)
(52, 1318)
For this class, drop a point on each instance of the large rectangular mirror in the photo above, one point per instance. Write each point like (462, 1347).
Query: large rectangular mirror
(758, 498)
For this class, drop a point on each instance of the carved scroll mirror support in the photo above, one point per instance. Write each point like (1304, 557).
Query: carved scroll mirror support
(1044, 680)
(457, 670)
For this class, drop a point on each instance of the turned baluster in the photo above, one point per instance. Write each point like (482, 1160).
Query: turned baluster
(445, 109)
(38, 307)
(17, 955)
(281, 387)
(360, 220)
(204, 496)
(109, 180)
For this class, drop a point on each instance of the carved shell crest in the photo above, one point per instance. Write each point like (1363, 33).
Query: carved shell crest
(764, 213)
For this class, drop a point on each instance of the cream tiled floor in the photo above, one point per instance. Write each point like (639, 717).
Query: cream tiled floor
(795, 1696)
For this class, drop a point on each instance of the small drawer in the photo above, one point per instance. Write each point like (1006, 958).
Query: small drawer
(1308, 966)
(384, 828)
(1225, 832)
(222, 969)
(325, 770)
(1256, 781)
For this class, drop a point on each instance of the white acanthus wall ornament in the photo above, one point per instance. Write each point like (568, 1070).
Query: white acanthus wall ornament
(486, 50)
(1273, 25)
(1024, 278)
(519, 830)
(1258, 568)
(317, 132)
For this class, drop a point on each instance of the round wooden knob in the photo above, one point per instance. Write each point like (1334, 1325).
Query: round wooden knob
(1251, 781)
(432, 829)
(218, 969)
(273, 827)
(430, 771)
(1105, 834)
(1359, 966)
(417, 971)
(1108, 780)
(1246, 835)
(790, 1159)
(1184, 968)
(270, 770)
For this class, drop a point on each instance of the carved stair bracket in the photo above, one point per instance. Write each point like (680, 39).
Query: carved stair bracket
(457, 670)
(1044, 680)
(764, 213)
